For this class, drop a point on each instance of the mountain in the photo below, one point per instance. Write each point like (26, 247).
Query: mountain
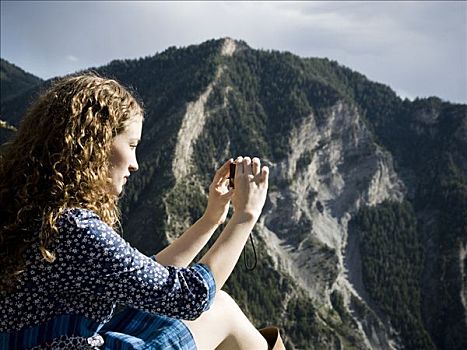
(14, 80)
(362, 243)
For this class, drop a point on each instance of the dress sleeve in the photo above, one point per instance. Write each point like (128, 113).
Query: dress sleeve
(103, 263)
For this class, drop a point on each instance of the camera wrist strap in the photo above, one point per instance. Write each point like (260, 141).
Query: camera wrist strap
(245, 260)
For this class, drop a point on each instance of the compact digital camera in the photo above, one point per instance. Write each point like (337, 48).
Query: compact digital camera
(232, 175)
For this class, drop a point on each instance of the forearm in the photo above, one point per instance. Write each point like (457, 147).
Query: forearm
(223, 255)
(183, 250)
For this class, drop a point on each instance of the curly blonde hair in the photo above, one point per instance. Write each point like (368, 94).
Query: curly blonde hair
(59, 158)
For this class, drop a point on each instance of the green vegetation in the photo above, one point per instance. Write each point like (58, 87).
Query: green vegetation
(427, 139)
(392, 264)
(14, 81)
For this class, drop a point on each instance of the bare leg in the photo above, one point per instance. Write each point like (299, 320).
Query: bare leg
(225, 326)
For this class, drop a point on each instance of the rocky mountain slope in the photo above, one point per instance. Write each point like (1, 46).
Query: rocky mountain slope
(362, 243)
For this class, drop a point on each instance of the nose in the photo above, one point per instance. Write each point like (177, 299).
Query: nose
(133, 166)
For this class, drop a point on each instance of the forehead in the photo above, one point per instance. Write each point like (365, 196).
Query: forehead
(134, 127)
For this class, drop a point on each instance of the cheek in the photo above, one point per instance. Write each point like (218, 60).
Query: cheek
(117, 159)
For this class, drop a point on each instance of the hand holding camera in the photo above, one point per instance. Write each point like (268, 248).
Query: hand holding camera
(250, 182)
(219, 196)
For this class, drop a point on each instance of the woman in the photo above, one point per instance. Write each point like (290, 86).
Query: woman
(64, 268)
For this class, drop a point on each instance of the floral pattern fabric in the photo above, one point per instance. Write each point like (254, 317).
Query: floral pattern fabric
(94, 270)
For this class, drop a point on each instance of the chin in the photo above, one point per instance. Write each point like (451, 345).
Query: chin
(117, 191)
(121, 192)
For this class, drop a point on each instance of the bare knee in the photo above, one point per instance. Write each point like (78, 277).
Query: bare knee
(225, 326)
(240, 328)
(229, 308)
(226, 302)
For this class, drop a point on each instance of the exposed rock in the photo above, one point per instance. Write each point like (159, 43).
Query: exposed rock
(332, 169)
(229, 47)
(463, 274)
(192, 126)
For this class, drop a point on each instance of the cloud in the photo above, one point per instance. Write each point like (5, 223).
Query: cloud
(72, 58)
(417, 47)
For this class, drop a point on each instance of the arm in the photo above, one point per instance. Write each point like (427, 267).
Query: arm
(248, 200)
(184, 249)
(94, 261)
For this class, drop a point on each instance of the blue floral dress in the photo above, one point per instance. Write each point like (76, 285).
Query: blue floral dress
(69, 304)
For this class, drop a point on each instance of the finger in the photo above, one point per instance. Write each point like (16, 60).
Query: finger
(239, 166)
(223, 171)
(255, 165)
(228, 195)
(247, 165)
(265, 175)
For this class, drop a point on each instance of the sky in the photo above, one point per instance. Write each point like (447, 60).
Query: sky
(417, 48)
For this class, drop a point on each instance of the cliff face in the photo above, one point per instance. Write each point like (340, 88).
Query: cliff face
(333, 168)
(363, 186)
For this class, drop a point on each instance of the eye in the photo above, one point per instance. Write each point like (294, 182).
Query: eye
(133, 146)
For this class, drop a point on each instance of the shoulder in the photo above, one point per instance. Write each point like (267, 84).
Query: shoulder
(77, 216)
(86, 240)
(80, 218)
(79, 223)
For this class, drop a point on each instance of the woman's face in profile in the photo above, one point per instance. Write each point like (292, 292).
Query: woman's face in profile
(123, 156)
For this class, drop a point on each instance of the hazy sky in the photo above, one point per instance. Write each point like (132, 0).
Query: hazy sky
(417, 48)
